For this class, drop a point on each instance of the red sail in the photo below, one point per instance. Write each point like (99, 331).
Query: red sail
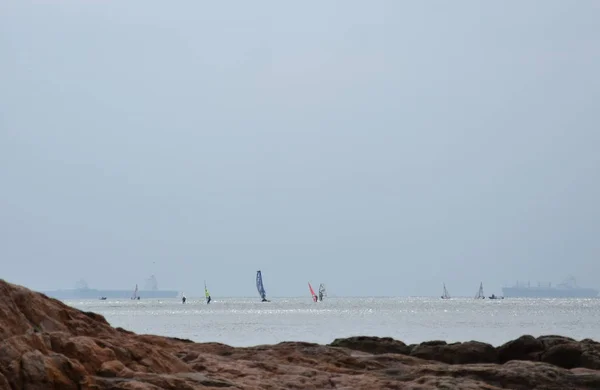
(312, 292)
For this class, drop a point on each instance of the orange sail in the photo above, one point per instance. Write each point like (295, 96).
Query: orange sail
(312, 292)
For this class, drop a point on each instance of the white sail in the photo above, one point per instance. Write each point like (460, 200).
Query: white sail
(480, 294)
(322, 291)
(445, 295)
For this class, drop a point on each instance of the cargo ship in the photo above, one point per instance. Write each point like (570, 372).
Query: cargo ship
(566, 289)
(82, 291)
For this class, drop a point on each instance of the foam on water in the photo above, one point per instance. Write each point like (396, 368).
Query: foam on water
(247, 321)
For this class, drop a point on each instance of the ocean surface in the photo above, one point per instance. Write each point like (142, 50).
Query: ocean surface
(247, 321)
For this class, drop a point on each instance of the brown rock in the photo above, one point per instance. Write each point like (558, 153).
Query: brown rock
(552, 340)
(45, 344)
(566, 355)
(524, 348)
(457, 353)
(374, 345)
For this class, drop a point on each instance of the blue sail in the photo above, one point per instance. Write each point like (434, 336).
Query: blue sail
(260, 287)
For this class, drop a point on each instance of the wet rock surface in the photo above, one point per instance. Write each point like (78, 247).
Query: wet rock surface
(45, 344)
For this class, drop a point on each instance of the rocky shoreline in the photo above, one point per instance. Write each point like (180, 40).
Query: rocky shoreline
(45, 344)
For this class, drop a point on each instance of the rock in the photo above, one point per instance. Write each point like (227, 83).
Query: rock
(112, 369)
(457, 353)
(552, 340)
(374, 345)
(567, 355)
(524, 348)
(53, 371)
(45, 344)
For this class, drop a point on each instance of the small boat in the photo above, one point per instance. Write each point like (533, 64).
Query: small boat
(495, 297)
(480, 294)
(103, 298)
(322, 291)
(445, 295)
(183, 298)
(312, 293)
(207, 294)
(260, 287)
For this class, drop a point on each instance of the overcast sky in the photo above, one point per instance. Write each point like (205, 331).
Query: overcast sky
(383, 148)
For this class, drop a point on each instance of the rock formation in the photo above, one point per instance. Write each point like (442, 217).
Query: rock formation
(45, 344)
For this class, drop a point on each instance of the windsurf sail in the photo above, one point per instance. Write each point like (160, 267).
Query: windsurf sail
(445, 295)
(312, 292)
(207, 294)
(135, 293)
(260, 287)
(322, 291)
(480, 294)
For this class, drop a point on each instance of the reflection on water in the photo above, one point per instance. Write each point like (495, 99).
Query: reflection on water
(247, 321)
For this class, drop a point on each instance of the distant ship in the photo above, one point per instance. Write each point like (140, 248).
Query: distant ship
(567, 289)
(82, 291)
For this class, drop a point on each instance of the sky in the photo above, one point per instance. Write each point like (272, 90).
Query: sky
(382, 147)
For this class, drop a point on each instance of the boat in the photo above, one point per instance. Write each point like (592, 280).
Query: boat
(312, 293)
(493, 296)
(135, 293)
(445, 295)
(183, 298)
(207, 294)
(260, 287)
(480, 294)
(567, 289)
(322, 291)
(103, 298)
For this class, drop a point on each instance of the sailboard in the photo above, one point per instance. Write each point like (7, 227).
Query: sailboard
(322, 291)
(260, 287)
(312, 293)
(207, 294)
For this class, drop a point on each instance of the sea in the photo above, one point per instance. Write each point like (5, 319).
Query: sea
(247, 321)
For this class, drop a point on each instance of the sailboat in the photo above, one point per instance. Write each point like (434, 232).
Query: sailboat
(322, 291)
(480, 294)
(445, 295)
(312, 293)
(207, 294)
(260, 287)
(135, 293)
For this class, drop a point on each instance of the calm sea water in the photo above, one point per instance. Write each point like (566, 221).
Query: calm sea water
(246, 321)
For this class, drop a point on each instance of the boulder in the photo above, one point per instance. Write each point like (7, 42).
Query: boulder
(524, 348)
(374, 345)
(457, 353)
(567, 355)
